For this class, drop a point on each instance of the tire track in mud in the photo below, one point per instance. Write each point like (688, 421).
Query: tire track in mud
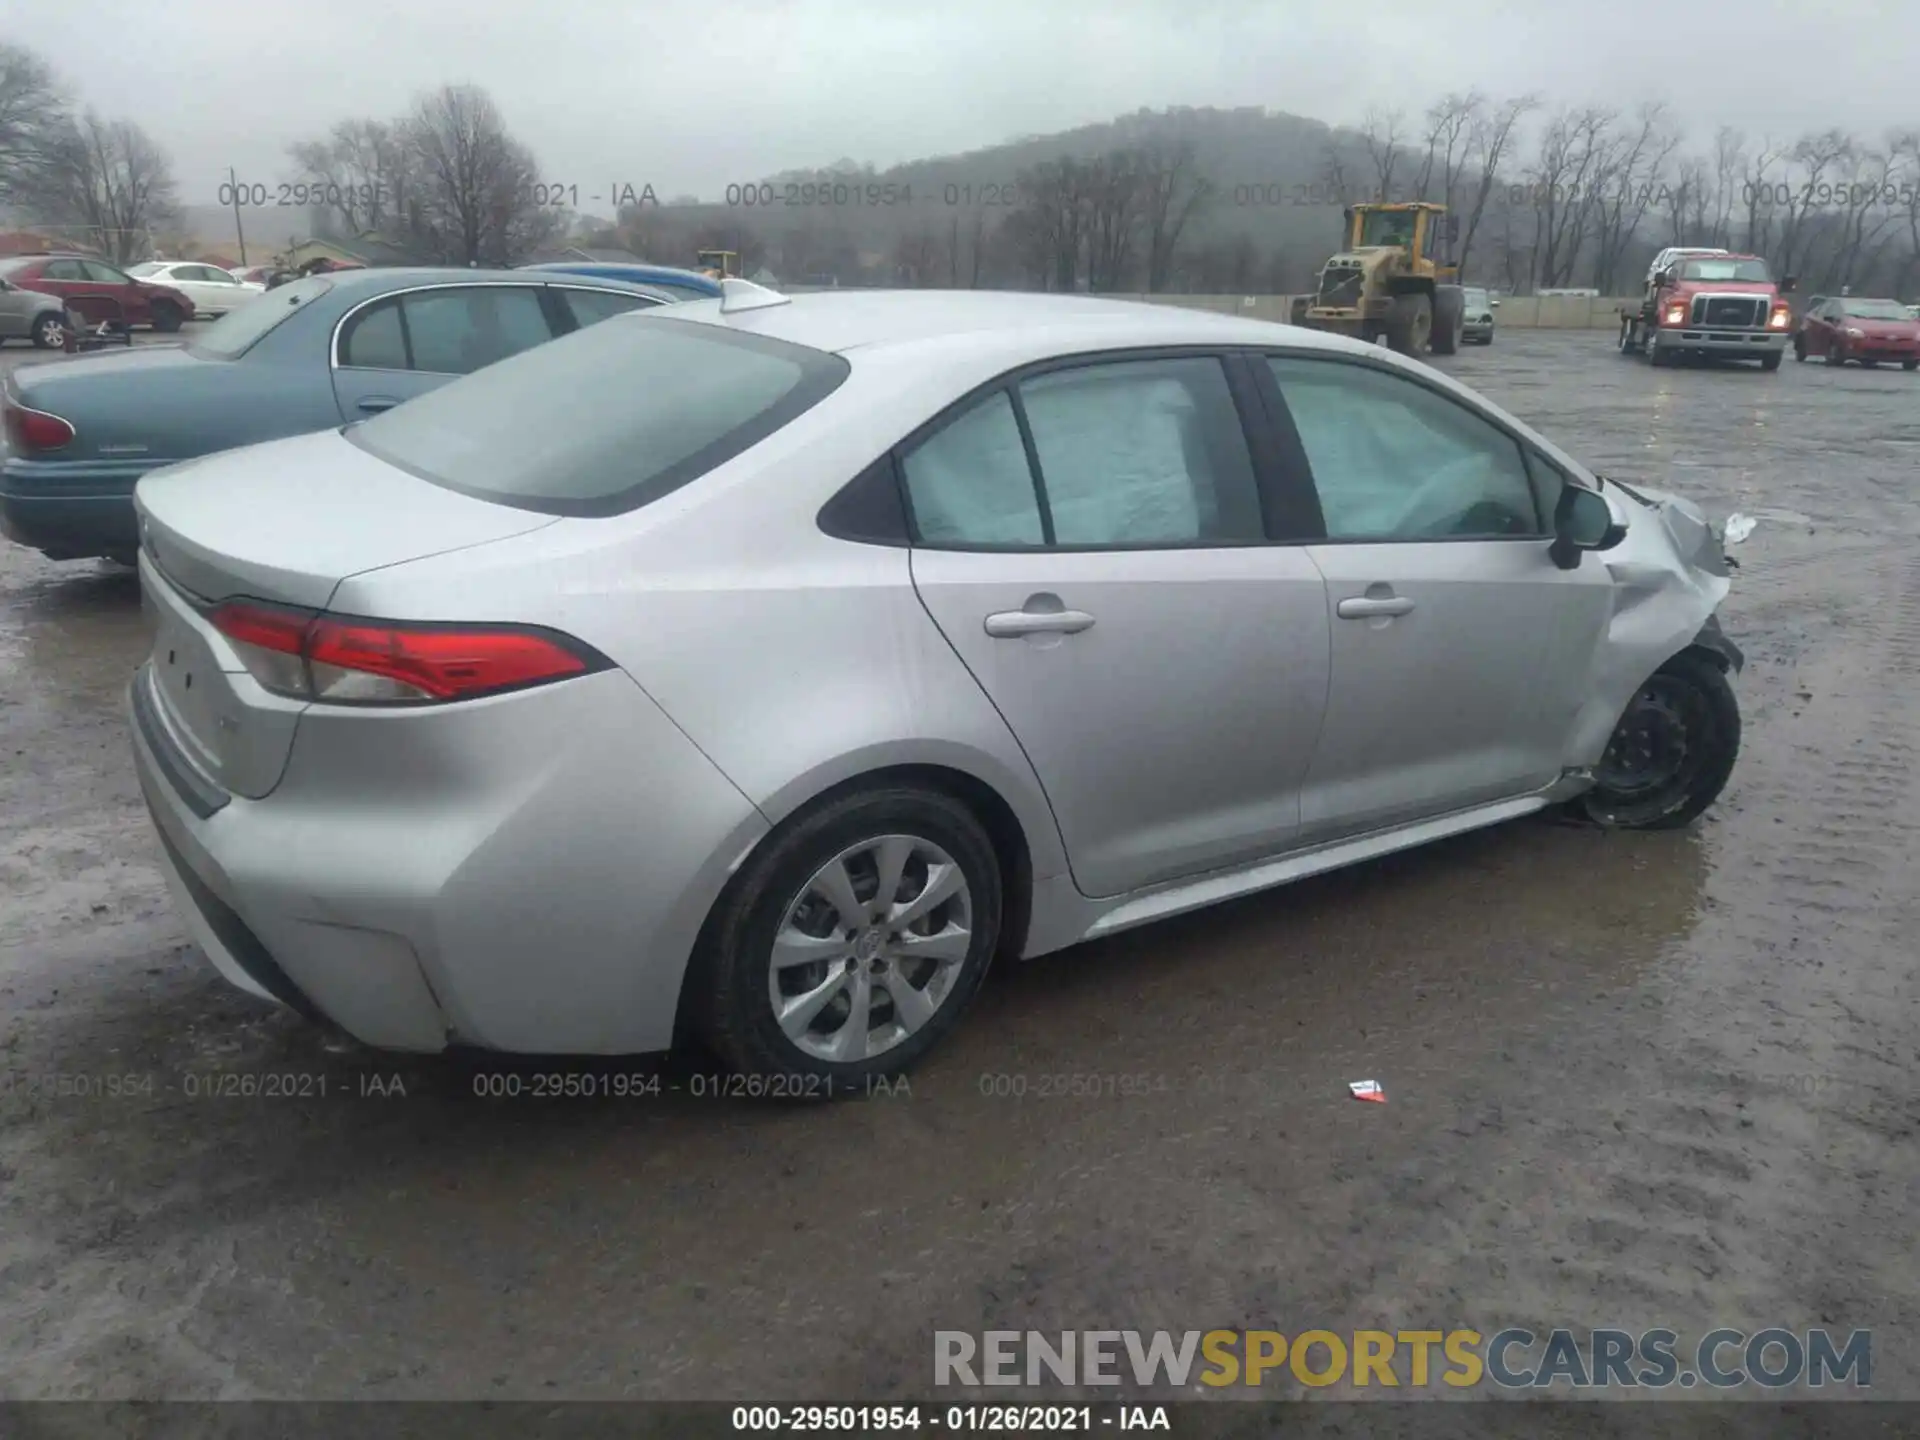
(1759, 1086)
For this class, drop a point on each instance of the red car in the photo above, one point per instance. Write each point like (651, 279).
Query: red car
(1843, 328)
(88, 285)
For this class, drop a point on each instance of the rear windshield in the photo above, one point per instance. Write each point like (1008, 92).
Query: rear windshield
(1741, 271)
(606, 419)
(234, 334)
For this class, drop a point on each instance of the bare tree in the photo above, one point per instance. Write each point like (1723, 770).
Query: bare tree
(1114, 193)
(1631, 176)
(1050, 226)
(1864, 220)
(360, 168)
(1383, 133)
(106, 178)
(1729, 155)
(1448, 138)
(1563, 188)
(1489, 142)
(1905, 149)
(33, 117)
(1334, 172)
(918, 258)
(1172, 193)
(470, 196)
(1759, 185)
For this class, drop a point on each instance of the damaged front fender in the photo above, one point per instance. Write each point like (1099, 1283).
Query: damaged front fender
(1670, 574)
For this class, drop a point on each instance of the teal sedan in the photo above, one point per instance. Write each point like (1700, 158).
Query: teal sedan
(323, 352)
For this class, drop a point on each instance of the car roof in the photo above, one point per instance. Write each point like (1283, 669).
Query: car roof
(616, 270)
(374, 279)
(869, 320)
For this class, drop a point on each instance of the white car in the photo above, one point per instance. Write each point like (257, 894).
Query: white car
(213, 291)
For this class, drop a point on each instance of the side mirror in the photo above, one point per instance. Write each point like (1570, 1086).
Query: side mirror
(1583, 520)
(1787, 283)
(6, 284)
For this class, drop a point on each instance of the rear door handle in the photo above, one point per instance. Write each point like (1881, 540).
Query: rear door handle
(1363, 607)
(1010, 624)
(374, 404)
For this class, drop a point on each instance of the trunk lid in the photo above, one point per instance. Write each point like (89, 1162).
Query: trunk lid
(287, 522)
(289, 519)
(157, 404)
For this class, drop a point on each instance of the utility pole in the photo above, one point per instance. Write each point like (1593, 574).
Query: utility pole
(233, 189)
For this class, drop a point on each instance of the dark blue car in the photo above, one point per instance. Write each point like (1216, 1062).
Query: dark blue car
(683, 284)
(311, 355)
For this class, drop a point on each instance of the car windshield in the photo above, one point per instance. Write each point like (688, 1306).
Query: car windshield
(607, 419)
(1875, 310)
(151, 267)
(231, 337)
(1750, 271)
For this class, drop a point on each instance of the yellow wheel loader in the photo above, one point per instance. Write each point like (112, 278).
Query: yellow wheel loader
(1386, 284)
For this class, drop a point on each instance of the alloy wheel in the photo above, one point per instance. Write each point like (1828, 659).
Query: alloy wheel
(870, 948)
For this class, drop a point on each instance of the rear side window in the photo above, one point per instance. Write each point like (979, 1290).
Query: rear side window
(606, 419)
(590, 307)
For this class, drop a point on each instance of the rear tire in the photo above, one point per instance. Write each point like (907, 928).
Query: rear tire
(1910, 364)
(1449, 318)
(167, 318)
(1671, 753)
(780, 901)
(1297, 310)
(1410, 324)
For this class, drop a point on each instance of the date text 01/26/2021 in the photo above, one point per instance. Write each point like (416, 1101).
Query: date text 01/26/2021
(962, 1419)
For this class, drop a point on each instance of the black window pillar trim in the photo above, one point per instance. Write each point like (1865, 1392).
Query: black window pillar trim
(1033, 464)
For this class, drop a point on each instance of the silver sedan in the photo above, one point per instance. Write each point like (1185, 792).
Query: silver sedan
(773, 665)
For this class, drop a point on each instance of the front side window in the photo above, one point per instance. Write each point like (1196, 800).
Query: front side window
(1395, 461)
(969, 482)
(105, 274)
(1142, 452)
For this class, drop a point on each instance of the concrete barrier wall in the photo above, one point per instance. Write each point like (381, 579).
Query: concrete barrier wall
(1518, 312)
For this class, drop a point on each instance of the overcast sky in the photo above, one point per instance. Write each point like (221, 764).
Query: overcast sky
(637, 91)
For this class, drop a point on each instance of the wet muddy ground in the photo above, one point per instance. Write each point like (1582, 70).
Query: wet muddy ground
(1633, 1080)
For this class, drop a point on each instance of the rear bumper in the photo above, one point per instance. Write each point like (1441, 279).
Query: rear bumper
(526, 873)
(70, 527)
(1753, 343)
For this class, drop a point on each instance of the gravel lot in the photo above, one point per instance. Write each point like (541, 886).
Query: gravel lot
(1633, 1080)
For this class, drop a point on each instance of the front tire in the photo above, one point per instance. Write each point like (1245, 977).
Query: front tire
(1835, 355)
(1671, 753)
(1799, 348)
(806, 974)
(1410, 324)
(1449, 318)
(50, 332)
(1770, 362)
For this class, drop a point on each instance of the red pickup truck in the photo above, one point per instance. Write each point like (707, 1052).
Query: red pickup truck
(1710, 303)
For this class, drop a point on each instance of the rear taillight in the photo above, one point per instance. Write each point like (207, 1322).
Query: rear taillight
(351, 661)
(34, 431)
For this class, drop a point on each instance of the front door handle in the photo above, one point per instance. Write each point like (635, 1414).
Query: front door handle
(1366, 607)
(1010, 624)
(374, 404)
